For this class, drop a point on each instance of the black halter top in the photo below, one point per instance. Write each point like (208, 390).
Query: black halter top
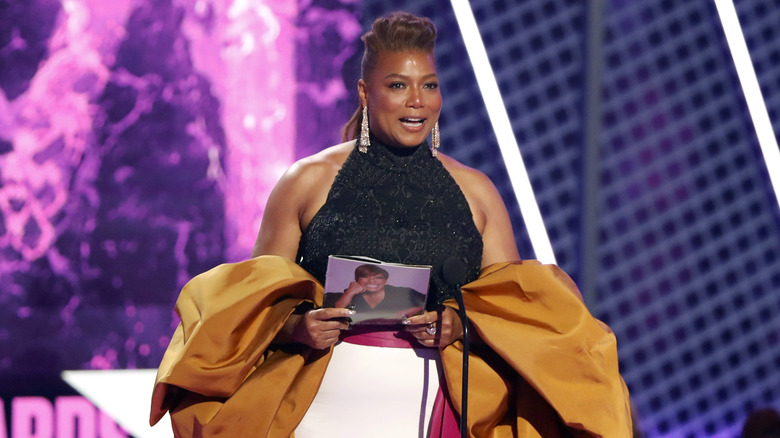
(398, 205)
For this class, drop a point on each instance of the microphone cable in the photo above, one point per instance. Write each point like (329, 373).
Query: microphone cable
(454, 274)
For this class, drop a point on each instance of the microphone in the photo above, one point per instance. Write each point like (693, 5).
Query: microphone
(453, 272)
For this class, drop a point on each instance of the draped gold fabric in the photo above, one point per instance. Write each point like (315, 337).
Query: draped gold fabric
(540, 356)
(540, 359)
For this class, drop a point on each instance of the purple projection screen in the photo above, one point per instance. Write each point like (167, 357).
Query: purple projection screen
(139, 140)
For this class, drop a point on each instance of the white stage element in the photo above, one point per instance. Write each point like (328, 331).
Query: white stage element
(125, 395)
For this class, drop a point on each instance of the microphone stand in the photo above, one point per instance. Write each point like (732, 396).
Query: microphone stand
(465, 381)
(454, 274)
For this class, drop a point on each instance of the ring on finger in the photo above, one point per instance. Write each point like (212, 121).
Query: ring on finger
(431, 329)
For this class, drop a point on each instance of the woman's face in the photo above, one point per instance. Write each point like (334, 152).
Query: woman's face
(403, 97)
(373, 283)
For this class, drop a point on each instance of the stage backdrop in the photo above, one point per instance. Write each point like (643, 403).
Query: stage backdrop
(139, 140)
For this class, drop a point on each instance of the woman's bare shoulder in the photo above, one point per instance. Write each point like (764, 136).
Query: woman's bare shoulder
(468, 178)
(300, 192)
(324, 164)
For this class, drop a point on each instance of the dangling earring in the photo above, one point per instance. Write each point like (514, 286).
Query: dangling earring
(365, 142)
(435, 139)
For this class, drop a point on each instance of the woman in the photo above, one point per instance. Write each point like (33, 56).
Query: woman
(388, 196)
(399, 92)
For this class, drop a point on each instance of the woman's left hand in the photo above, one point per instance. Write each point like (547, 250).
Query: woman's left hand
(436, 329)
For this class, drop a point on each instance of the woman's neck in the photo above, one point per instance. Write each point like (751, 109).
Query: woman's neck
(401, 151)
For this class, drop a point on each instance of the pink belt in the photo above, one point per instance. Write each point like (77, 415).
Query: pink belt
(386, 338)
(444, 420)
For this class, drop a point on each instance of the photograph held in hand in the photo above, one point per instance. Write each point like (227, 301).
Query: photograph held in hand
(379, 293)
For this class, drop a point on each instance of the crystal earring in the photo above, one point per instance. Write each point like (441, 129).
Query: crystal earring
(435, 139)
(365, 142)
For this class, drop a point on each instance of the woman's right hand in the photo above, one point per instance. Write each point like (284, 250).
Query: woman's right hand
(345, 299)
(354, 288)
(317, 329)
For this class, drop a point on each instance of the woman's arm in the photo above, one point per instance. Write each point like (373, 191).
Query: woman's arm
(487, 210)
(349, 293)
(292, 203)
(280, 229)
(498, 238)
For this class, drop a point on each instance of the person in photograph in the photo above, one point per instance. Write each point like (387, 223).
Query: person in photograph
(369, 292)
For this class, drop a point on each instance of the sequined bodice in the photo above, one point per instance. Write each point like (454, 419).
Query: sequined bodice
(397, 205)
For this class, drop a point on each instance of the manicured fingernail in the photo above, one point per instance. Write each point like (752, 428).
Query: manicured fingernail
(351, 312)
(405, 321)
